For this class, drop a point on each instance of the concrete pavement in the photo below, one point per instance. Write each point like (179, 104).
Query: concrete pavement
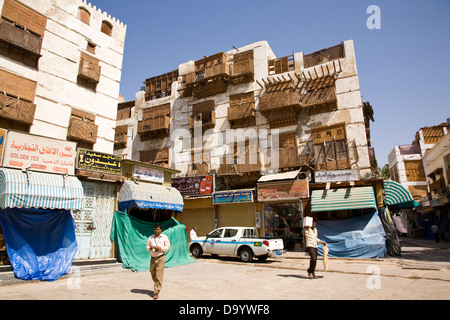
(423, 272)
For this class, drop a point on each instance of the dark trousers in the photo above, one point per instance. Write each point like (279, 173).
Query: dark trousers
(436, 237)
(312, 263)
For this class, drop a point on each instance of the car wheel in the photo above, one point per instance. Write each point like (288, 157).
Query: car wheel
(246, 255)
(196, 251)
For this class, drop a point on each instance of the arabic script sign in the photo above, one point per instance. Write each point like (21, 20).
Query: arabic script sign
(26, 151)
(283, 190)
(97, 161)
(148, 174)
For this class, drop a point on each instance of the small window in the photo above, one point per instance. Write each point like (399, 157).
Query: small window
(84, 15)
(90, 48)
(106, 28)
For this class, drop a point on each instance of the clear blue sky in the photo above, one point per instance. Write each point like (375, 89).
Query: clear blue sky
(404, 67)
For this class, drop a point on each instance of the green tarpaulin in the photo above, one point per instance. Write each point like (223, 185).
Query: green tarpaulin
(131, 235)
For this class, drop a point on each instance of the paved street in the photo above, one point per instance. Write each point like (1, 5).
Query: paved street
(423, 272)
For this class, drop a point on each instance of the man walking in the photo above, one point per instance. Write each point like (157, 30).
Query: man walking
(158, 244)
(311, 247)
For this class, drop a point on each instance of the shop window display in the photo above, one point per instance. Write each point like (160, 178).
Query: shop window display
(284, 220)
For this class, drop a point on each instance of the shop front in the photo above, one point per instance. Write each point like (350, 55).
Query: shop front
(237, 208)
(348, 220)
(199, 210)
(282, 206)
(145, 200)
(38, 195)
(100, 175)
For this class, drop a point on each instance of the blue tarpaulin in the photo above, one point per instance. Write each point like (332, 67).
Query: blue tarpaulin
(41, 244)
(358, 237)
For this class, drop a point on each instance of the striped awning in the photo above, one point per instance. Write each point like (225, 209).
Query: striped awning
(149, 196)
(39, 190)
(343, 199)
(397, 194)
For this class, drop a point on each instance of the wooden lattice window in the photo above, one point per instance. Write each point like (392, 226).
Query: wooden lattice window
(330, 148)
(281, 65)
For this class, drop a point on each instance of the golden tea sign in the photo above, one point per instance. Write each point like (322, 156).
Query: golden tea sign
(100, 162)
(283, 190)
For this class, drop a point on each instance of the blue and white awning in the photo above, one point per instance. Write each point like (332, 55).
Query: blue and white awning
(149, 196)
(39, 190)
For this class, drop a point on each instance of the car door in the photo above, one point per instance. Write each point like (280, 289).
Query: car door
(229, 241)
(213, 239)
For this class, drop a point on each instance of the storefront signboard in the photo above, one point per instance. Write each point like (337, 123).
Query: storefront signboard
(37, 153)
(283, 190)
(100, 162)
(194, 186)
(237, 196)
(336, 176)
(148, 174)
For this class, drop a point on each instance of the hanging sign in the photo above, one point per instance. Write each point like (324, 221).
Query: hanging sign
(148, 174)
(336, 176)
(100, 162)
(237, 196)
(194, 186)
(283, 190)
(27, 151)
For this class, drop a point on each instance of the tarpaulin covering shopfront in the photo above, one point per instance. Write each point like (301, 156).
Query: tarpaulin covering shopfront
(131, 236)
(41, 244)
(37, 225)
(358, 237)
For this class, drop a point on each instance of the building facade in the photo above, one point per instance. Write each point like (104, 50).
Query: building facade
(60, 71)
(422, 167)
(234, 117)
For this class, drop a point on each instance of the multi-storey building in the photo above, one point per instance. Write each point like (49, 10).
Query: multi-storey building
(422, 167)
(239, 115)
(60, 71)
(61, 64)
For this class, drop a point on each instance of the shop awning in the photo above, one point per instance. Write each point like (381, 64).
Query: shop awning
(343, 199)
(397, 194)
(149, 196)
(39, 190)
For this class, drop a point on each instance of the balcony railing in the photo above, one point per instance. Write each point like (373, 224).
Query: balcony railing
(17, 110)
(279, 100)
(206, 119)
(20, 38)
(155, 124)
(89, 68)
(82, 130)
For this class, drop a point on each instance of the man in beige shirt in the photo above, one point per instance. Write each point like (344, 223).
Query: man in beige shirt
(158, 244)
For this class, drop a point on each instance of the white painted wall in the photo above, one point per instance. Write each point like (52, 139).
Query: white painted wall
(57, 90)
